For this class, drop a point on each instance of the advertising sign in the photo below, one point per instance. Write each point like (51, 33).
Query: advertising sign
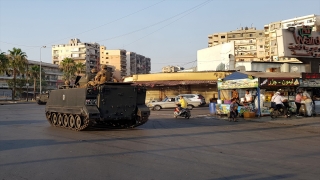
(298, 42)
(239, 83)
(274, 82)
(310, 82)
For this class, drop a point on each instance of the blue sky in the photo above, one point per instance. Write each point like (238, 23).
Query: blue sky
(168, 31)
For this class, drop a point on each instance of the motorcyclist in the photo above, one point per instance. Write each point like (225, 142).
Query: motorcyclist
(279, 100)
(183, 104)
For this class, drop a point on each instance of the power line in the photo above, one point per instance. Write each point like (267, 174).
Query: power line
(18, 44)
(155, 23)
(191, 10)
(112, 21)
(90, 29)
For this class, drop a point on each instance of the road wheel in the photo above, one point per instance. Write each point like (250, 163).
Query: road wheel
(59, 118)
(71, 121)
(78, 121)
(54, 118)
(157, 108)
(65, 120)
(190, 107)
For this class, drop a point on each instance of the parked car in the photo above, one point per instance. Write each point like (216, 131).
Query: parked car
(170, 102)
(195, 97)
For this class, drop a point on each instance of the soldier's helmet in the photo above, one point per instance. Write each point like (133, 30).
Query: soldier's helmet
(103, 66)
(94, 70)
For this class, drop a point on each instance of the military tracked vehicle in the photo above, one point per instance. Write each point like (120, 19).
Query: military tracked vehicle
(106, 105)
(43, 98)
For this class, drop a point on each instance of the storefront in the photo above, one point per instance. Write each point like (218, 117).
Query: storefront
(311, 83)
(262, 86)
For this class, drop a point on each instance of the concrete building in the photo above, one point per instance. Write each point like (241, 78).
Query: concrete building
(86, 53)
(247, 43)
(53, 79)
(137, 64)
(270, 30)
(115, 58)
(217, 58)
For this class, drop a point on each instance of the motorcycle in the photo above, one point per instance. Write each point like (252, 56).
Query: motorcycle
(275, 112)
(182, 113)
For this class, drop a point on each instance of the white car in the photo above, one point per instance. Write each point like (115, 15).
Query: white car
(170, 102)
(194, 97)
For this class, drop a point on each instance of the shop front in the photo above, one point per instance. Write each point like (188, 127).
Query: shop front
(286, 86)
(311, 83)
(262, 86)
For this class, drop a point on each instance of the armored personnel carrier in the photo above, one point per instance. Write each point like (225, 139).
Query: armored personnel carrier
(43, 98)
(103, 105)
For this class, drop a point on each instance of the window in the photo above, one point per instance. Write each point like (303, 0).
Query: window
(233, 36)
(261, 46)
(222, 37)
(309, 21)
(250, 35)
(260, 33)
(250, 41)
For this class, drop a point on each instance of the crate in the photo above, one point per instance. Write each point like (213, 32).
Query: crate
(249, 114)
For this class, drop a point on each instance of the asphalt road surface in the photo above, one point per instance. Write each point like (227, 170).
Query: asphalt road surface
(164, 148)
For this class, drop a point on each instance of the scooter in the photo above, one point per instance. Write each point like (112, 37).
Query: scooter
(183, 113)
(275, 112)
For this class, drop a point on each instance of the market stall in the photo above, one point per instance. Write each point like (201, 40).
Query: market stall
(311, 83)
(262, 85)
(236, 80)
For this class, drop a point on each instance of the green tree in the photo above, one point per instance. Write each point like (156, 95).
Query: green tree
(80, 67)
(18, 63)
(4, 62)
(68, 68)
(34, 74)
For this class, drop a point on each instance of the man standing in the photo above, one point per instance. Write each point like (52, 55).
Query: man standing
(248, 97)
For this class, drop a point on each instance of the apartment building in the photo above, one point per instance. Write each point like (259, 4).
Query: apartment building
(270, 30)
(53, 78)
(249, 43)
(137, 64)
(116, 59)
(86, 53)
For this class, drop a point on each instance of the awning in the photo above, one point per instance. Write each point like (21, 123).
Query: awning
(174, 83)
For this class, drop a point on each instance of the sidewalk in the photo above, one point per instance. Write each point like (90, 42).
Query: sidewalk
(16, 102)
(310, 122)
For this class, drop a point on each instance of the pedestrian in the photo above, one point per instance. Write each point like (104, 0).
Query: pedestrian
(233, 110)
(308, 102)
(298, 102)
(235, 95)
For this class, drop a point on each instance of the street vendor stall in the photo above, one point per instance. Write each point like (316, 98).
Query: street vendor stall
(311, 83)
(263, 85)
(236, 80)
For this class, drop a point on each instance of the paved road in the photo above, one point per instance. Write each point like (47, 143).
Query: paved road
(163, 148)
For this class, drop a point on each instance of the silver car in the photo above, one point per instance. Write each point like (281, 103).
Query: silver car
(170, 102)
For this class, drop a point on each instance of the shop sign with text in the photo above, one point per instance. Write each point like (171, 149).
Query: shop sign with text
(272, 82)
(238, 84)
(310, 82)
(306, 42)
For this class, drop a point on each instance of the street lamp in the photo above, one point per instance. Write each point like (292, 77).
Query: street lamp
(40, 66)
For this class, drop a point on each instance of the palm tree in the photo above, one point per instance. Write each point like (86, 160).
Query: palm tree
(68, 68)
(17, 62)
(4, 62)
(34, 74)
(80, 67)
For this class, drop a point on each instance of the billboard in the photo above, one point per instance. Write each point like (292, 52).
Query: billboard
(298, 42)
